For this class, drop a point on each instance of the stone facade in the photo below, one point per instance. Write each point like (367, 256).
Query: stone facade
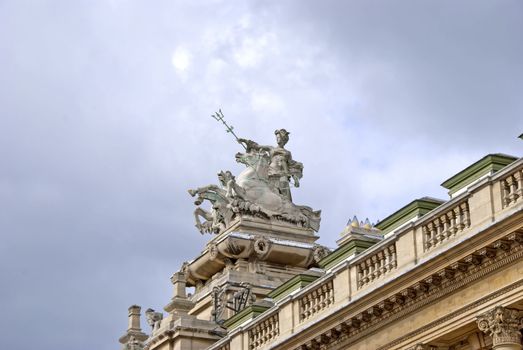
(434, 275)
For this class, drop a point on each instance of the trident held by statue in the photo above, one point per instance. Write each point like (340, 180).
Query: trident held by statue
(218, 116)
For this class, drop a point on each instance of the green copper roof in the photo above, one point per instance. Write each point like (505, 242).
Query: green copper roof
(343, 252)
(488, 164)
(297, 282)
(249, 313)
(414, 209)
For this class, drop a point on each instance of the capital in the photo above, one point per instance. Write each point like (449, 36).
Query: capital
(503, 325)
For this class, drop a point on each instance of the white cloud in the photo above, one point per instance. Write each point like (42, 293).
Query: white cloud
(266, 102)
(253, 50)
(181, 59)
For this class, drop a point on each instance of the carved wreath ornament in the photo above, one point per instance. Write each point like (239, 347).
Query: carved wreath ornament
(261, 246)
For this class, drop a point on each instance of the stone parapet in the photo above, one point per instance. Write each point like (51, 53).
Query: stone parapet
(473, 246)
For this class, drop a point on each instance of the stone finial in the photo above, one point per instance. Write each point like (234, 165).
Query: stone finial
(179, 303)
(134, 318)
(503, 325)
(179, 282)
(354, 222)
(356, 230)
(133, 337)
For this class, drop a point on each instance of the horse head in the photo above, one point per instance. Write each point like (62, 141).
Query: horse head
(254, 159)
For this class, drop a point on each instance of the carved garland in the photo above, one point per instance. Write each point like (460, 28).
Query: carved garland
(481, 262)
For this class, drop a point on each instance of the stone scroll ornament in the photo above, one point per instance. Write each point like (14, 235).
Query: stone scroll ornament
(261, 190)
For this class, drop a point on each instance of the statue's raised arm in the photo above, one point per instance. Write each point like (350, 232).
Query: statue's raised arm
(252, 145)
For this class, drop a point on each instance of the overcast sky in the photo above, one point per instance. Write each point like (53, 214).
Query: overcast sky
(105, 123)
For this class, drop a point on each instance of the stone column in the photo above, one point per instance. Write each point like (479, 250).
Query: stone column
(503, 325)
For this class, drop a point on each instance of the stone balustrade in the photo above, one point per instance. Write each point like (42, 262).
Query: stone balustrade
(264, 332)
(512, 188)
(316, 301)
(475, 212)
(446, 225)
(377, 265)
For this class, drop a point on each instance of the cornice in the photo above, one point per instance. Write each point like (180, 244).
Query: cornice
(363, 323)
(456, 313)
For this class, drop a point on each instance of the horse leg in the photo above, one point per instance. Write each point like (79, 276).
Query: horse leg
(199, 212)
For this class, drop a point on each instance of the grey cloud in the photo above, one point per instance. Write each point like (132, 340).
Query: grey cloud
(100, 136)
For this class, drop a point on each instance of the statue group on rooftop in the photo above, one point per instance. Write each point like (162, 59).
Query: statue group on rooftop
(261, 190)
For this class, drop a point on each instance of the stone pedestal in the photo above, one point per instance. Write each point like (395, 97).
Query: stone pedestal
(133, 337)
(179, 304)
(253, 253)
(503, 325)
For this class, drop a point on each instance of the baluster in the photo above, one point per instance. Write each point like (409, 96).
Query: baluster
(445, 230)
(459, 219)
(506, 192)
(375, 267)
(437, 224)
(392, 258)
(360, 275)
(383, 262)
(377, 262)
(433, 234)
(511, 184)
(518, 177)
(315, 301)
(368, 271)
(452, 223)
(426, 237)
(392, 250)
(324, 293)
(386, 260)
(466, 214)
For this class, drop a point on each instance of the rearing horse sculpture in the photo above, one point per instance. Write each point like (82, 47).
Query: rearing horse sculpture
(255, 183)
(260, 190)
